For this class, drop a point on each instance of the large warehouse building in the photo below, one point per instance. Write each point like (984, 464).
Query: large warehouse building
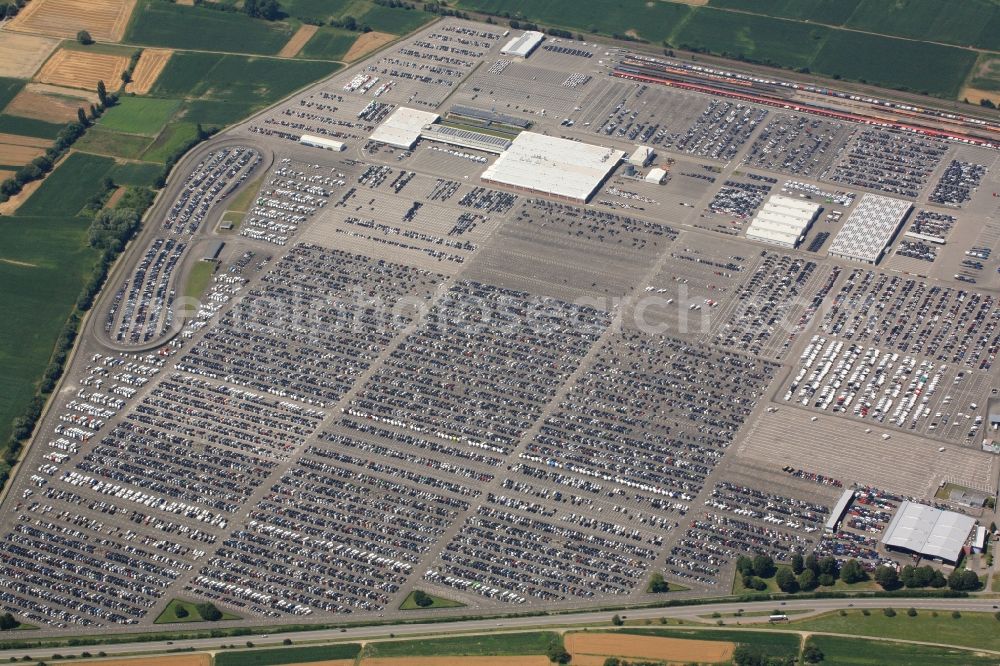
(521, 47)
(402, 128)
(870, 228)
(564, 169)
(783, 221)
(928, 532)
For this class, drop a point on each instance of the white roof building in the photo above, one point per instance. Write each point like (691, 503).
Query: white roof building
(656, 175)
(783, 221)
(321, 142)
(556, 167)
(402, 128)
(870, 228)
(930, 532)
(641, 156)
(522, 46)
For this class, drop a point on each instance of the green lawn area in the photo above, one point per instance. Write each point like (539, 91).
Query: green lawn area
(68, 187)
(536, 642)
(437, 602)
(287, 655)
(772, 585)
(975, 630)
(136, 173)
(44, 262)
(105, 142)
(198, 279)
(170, 140)
(161, 23)
(139, 115)
(29, 127)
(774, 643)
(838, 651)
(169, 613)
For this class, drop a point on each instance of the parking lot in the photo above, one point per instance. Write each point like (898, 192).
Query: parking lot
(402, 377)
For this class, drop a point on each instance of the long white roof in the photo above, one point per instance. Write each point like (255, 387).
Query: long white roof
(522, 46)
(928, 531)
(402, 128)
(554, 166)
(869, 228)
(782, 220)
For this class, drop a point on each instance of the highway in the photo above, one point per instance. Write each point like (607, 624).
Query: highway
(594, 619)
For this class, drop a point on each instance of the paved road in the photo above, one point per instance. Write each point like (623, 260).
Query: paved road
(578, 620)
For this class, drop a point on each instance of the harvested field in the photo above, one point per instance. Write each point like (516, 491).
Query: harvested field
(22, 55)
(975, 94)
(196, 659)
(647, 647)
(80, 69)
(366, 43)
(534, 660)
(41, 102)
(10, 206)
(4, 175)
(14, 155)
(328, 662)
(147, 70)
(298, 40)
(18, 140)
(105, 20)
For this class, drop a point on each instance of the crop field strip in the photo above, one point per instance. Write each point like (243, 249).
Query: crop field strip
(105, 20)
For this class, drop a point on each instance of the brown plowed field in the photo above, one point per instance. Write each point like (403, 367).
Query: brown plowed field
(14, 155)
(80, 69)
(147, 70)
(197, 659)
(297, 41)
(44, 103)
(680, 650)
(22, 55)
(366, 43)
(105, 20)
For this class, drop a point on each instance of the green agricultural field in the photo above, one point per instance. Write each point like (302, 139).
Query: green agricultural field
(115, 144)
(757, 38)
(974, 630)
(161, 23)
(436, 602)
(895, 63)
(44, 262)
(959, 22)
(838, 651)
(29, 127)
(139, 115)
(9, 89)
(774, 643)
(986, 74)
(536, 642)
(254, 82)
(212, 113)
(328, 44)
(136, 173)
(171, 139)
(68, 188)
(831, 12)
(654, 21)
(393, 19)
(384, 19)
(287, 655)
(323, 10)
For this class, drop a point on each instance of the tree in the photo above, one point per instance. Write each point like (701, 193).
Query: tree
(102, 93)
(748, 655)
(84, 37)
(826, 580)
(763, 566)
(807, 580)
(617, 620)
(744, 565)
(82, 117)
(557, 653)
(963, 580)
(889, 612)
(422, 599)
(657, 584)
(812, 563)
(786, 581)
(180, 611)
(852, 572)
(829, 565)
(269, 10)
(887, 577)
(7, 622)
(209, 612)
(797, 564)
(911, 612)
(812, 654)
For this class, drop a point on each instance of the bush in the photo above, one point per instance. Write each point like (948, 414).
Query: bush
(181, 611)
(657, 584)
(912, 612)
(209, 612)
(84, 37)
(617, 620)
(422, 599)
(955, 615)
(888, 612)
(865, 612)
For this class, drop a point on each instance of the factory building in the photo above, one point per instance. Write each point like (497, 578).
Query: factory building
(656, 175)
(560, 168)
(521, 47)
(641, 157)
(321, 142)
(465, 138)
(870, 228)
(783, 221)
(403, 127)
(932, 533)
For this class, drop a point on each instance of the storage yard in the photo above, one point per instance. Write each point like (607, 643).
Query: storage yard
(462, 342)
